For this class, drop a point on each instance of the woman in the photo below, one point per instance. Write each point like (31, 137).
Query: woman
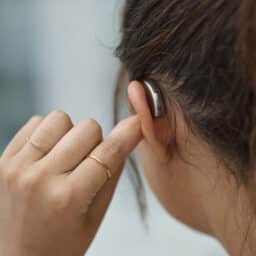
(198, 158)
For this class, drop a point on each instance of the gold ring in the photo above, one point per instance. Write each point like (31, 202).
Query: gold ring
(106, 168)
(34, 145)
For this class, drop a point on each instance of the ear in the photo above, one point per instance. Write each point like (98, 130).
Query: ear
(155, 131)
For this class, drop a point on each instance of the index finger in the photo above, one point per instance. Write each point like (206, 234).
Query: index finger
(90, 176)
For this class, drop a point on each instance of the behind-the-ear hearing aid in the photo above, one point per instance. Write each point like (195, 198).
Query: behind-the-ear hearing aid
(155, 98)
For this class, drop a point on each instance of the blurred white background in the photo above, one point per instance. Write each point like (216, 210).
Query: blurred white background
(59, 54)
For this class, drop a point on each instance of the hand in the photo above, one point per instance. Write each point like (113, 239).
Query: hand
(53, 197)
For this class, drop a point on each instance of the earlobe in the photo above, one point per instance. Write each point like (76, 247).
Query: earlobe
(150, 127)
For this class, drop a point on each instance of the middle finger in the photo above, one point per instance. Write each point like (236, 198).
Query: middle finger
(74, 146)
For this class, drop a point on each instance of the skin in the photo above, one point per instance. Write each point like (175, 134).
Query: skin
(53, 197)
(198, 191)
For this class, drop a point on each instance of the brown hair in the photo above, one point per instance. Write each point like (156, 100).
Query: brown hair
(247, 39)
(202, 55)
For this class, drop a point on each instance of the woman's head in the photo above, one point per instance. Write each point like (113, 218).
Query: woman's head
(198, 52)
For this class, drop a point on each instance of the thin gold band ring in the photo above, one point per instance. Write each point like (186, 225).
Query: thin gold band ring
(106, 168)
(34, 145)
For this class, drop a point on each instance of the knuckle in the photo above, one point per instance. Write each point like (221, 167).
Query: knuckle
(10, 175)
(94, 126)
(59, 199)
(18, 180)
(8, 178)
(1, 164)
(36, 118)
(113, 148)
(28, 182)
(59, 114)
(44, 137)
(92, 122)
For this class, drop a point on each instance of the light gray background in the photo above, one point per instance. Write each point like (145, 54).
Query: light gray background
(58, 54)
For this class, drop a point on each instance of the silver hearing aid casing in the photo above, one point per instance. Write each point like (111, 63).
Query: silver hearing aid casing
(155, 98)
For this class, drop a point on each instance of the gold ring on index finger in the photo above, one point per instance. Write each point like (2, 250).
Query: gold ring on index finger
(106, 168)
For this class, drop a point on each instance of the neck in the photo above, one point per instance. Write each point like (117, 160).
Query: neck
(233, 223)
(227, 208)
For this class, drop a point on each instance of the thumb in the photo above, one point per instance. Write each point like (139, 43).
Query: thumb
(127, 134)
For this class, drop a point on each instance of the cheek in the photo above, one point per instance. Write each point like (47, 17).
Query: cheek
(172, 185)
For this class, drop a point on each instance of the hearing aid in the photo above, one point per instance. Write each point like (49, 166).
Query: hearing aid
(155, 98)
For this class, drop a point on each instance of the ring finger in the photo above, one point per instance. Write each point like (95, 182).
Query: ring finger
(74, 146)
(45, 137)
